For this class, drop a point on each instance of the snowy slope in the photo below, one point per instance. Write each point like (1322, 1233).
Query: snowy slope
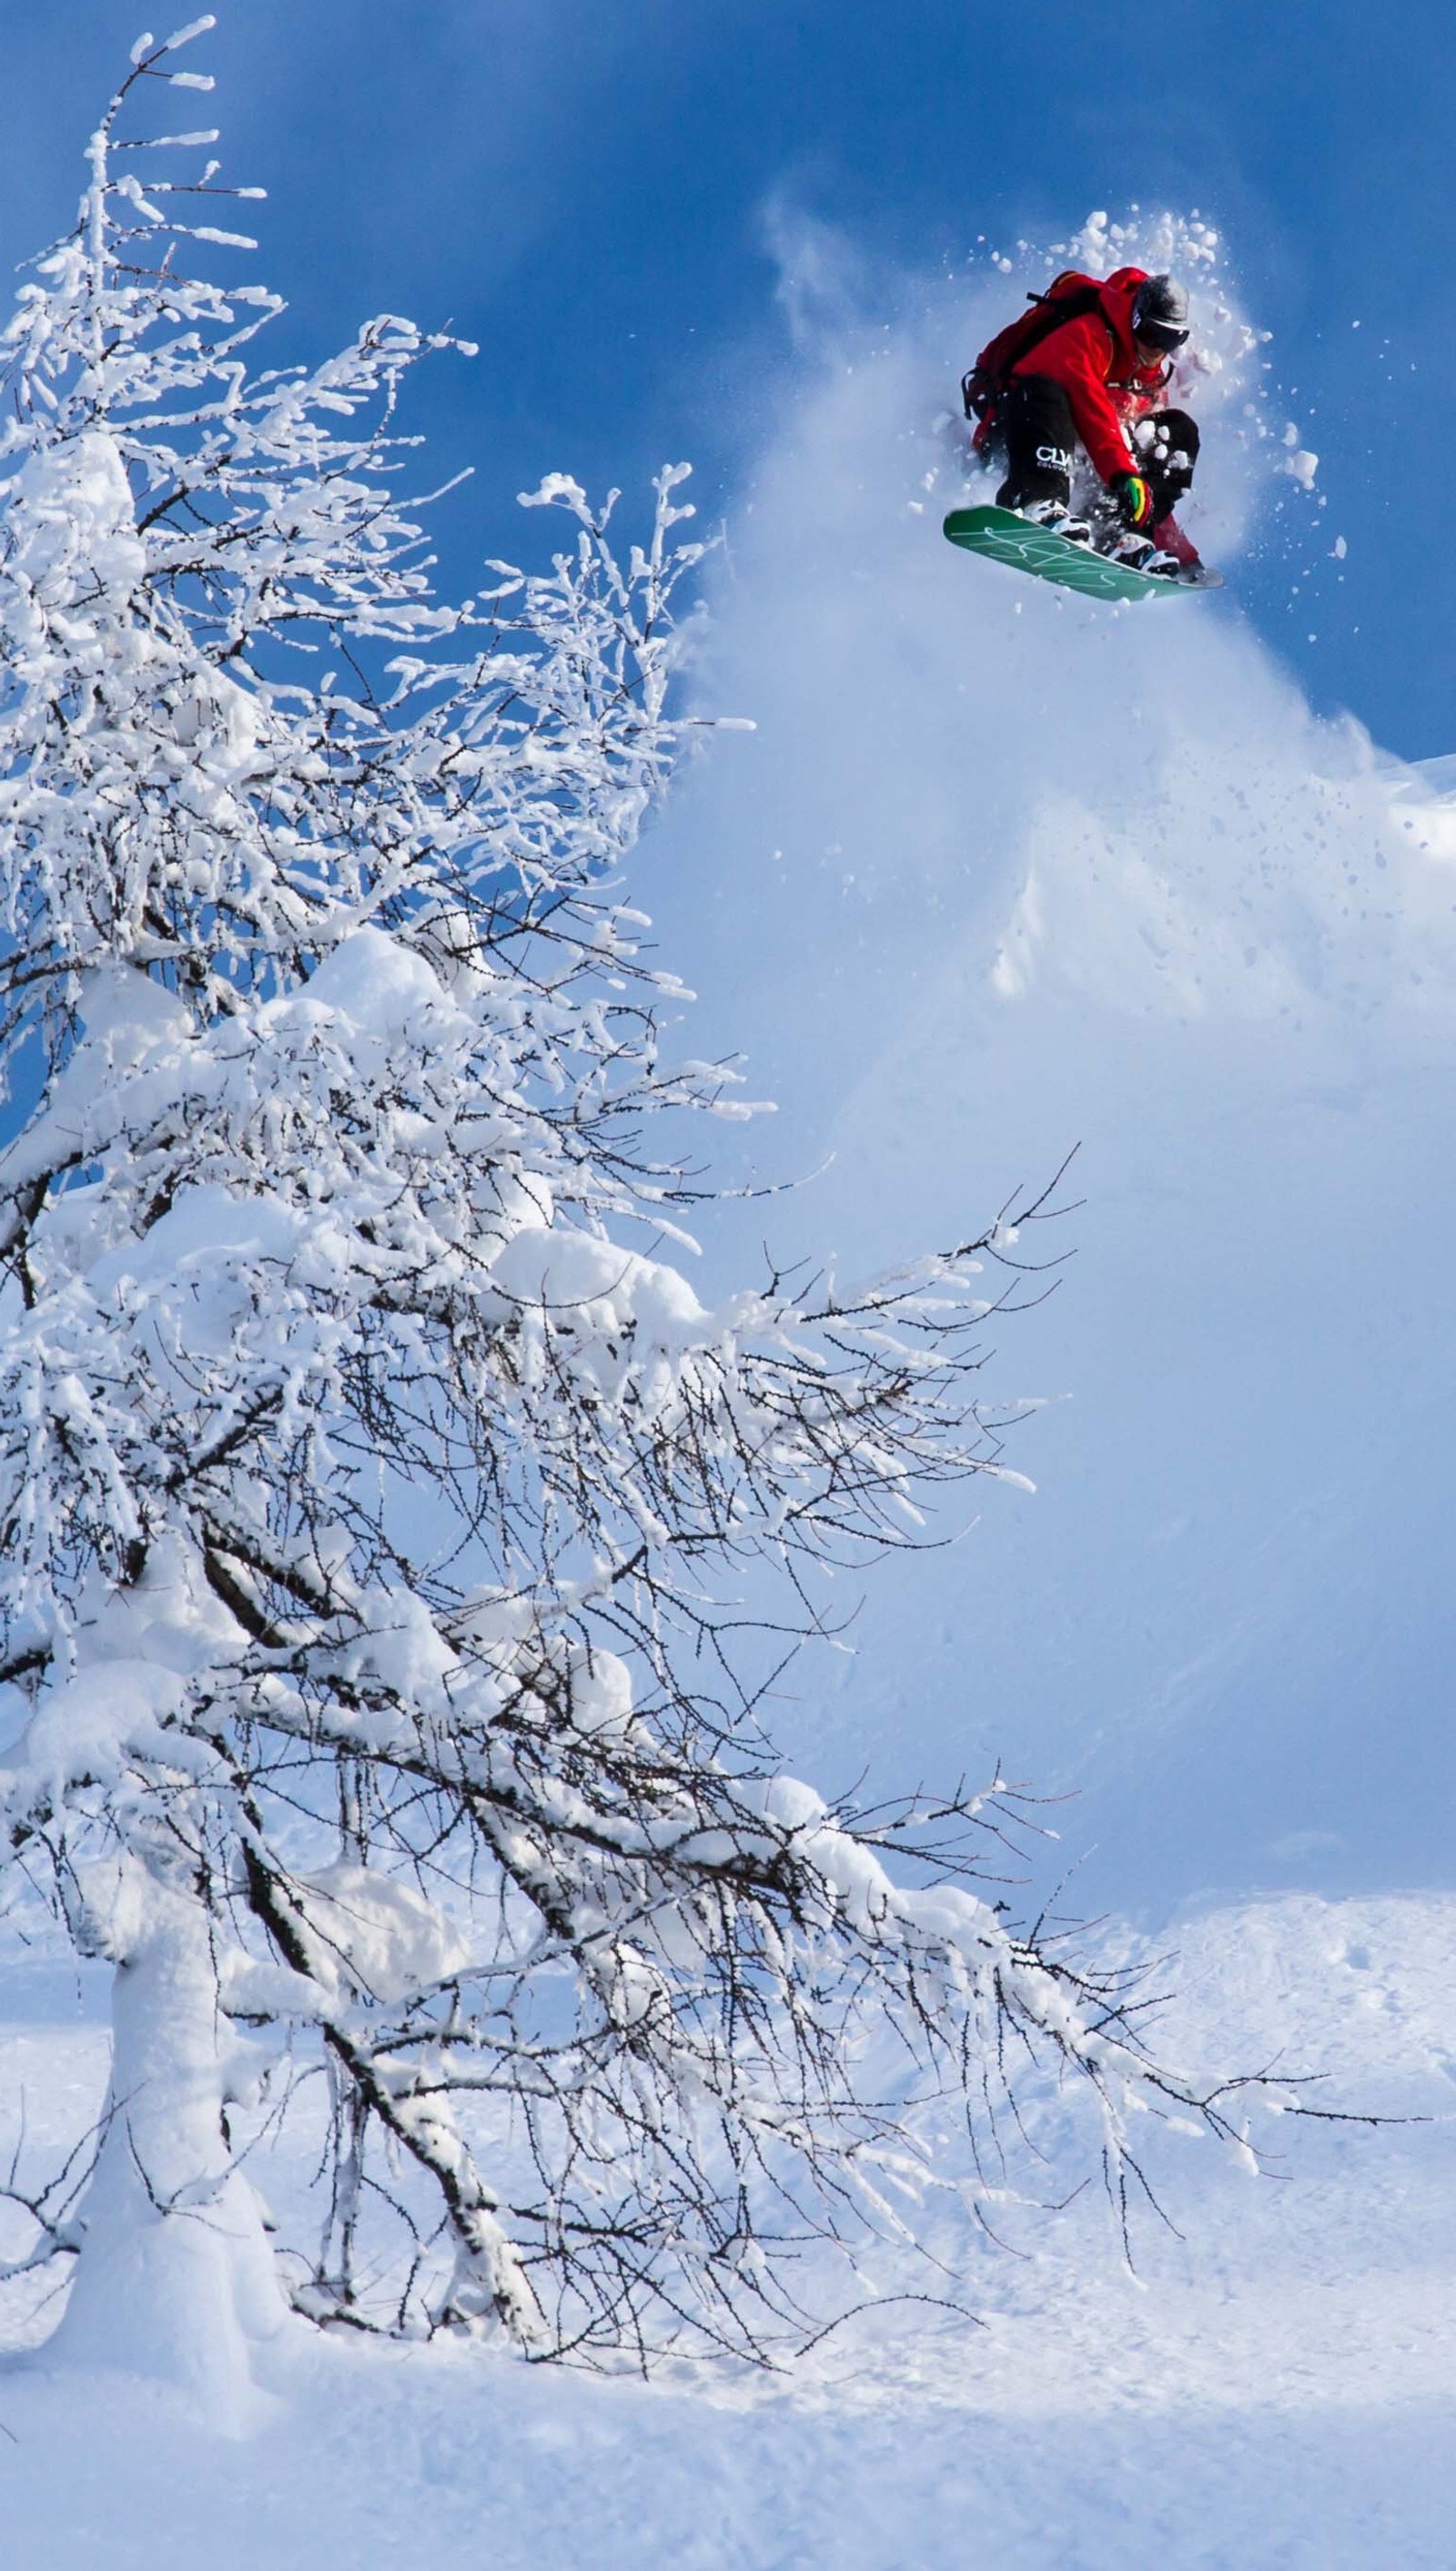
(1274, 2390)
(1002, 873)
(1005, 873)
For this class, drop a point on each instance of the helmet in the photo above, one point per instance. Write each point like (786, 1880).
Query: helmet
(1160, 313)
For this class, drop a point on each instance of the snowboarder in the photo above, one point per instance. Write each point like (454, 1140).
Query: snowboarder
(1087, 368)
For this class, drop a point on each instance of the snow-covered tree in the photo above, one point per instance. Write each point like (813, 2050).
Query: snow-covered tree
(377, 1502)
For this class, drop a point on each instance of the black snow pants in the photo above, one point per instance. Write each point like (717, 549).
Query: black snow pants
(1034, 429)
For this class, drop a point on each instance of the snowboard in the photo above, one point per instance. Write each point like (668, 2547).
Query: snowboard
(1005, 538)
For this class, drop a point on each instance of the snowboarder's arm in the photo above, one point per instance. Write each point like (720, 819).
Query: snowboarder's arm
(1078, 358)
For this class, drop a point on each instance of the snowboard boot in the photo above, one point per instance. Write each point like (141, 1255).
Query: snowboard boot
(1058, 520)
(1139, 553)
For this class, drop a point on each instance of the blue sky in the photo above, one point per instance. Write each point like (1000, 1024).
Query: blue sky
(582, 189)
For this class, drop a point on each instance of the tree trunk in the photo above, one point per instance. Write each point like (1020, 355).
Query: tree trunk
(175, 2278)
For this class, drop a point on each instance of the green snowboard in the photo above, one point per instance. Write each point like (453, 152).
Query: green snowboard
(1010, 540)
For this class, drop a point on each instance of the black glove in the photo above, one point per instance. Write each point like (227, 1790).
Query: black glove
(1133, 499)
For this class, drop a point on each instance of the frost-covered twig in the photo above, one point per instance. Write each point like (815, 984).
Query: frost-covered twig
(52, 2204)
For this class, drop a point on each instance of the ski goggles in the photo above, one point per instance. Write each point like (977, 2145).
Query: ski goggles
(1163, 336)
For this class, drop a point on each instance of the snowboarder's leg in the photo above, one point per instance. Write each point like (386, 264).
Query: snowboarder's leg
(1166, 448)
(1166, 444)
(1041, 451)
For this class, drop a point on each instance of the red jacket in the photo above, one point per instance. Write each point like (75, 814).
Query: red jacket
(1094, 359)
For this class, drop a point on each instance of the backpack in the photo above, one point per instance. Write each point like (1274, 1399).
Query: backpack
(1066, 299)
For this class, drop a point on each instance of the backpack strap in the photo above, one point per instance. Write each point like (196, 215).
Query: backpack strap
(985, 382)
